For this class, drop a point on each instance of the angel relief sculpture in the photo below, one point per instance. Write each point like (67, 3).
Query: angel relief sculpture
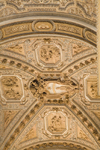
(55, 88)
(57, 123)
(92, 90)
(49, 54)
(11, 87)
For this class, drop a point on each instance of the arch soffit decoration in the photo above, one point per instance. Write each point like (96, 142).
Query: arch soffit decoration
(19, 38)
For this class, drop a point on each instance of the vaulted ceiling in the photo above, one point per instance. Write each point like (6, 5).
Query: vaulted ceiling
(48, 75)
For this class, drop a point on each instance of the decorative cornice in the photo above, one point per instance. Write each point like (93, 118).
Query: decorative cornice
(83, 11)
(20, 29)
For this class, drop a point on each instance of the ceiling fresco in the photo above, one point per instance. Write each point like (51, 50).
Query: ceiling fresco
(48, 75)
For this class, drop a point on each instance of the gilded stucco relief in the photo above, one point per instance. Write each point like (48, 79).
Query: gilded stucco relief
(11, 88)
(17, 48)
(49, 87)
(43, 26)
(91, 90)
(30, 50)
(97, 113)
(63, 88)
(48, 75)
(92, 87)
(9, 115)
(57, 124)
(30, 135)
(82, 135)
(79, 8)
(49, 54)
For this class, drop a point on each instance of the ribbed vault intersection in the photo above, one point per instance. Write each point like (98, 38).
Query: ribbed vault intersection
(48, 75)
